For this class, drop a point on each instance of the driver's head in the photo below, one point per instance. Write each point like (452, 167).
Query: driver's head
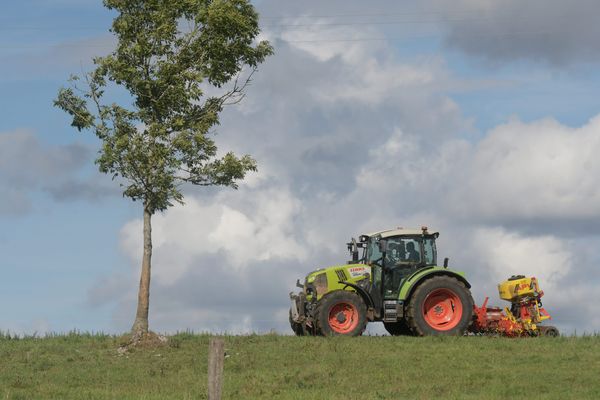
(395, 251)
(410, 246)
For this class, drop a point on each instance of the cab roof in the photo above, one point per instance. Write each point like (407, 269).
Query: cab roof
(403, 232)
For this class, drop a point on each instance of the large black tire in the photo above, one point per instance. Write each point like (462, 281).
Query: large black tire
(296, 327)
(341, 313)
(399, 328)
(441, 305)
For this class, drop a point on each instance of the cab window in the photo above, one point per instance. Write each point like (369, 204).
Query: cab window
(430, 251)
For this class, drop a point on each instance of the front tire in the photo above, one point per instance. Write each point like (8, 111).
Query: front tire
(441, 305)
(341, 313)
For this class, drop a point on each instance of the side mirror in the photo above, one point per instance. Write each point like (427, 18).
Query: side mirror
(353, 248)
(446, 262)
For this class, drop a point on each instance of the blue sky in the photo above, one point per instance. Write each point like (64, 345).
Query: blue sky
(481, 118)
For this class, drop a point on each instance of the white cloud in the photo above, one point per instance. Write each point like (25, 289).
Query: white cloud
(268, 233)
(517, 173)
(374, 81)
(325, 42)
(363, 71)
(260, 230)
(506, 253)
(538, 170)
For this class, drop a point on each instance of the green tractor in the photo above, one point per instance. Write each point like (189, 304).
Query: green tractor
(393, 277)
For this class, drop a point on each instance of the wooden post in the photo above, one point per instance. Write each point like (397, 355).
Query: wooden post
(216, 358)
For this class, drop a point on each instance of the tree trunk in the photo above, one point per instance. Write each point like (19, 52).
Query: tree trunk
(140, 325)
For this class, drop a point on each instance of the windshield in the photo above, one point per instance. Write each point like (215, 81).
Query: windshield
(404, 249)
(373, 253)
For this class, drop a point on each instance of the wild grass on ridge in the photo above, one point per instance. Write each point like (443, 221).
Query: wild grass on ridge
(88, 366)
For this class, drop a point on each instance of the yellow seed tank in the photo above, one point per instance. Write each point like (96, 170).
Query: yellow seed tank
(515, 289)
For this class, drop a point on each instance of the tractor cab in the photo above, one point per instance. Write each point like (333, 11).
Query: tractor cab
(396, 254)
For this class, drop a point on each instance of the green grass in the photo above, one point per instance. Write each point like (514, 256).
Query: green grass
(78, 366)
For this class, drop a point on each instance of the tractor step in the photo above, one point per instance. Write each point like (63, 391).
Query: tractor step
(390, 311)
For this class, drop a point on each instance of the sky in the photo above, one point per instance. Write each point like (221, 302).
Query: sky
(480, 120)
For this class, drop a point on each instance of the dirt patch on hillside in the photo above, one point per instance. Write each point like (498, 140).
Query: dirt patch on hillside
(147, 341)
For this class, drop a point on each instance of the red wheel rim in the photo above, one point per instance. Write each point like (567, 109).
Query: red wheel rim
(442, 309)
(343, 317)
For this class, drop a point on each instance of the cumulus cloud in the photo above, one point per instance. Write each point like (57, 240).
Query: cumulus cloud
(505, 253)
(536, 176)
(542, 172)
(27, 166)
(258, 231)
(555, 32)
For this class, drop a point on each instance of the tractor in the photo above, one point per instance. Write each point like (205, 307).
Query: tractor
(393, 277)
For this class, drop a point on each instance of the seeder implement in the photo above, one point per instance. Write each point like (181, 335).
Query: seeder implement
(524, 316)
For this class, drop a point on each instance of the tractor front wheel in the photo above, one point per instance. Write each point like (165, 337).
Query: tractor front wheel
(441, 305)
(341, 313)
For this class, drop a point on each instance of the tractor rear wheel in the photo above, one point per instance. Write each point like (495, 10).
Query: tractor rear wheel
(341, 313)
(296, 327)
(441, 305)
(399, 328)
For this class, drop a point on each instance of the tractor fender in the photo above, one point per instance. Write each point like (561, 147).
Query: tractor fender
(361, 292)
(419, 276)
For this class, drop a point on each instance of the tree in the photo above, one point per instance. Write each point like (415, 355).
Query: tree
(169, 54)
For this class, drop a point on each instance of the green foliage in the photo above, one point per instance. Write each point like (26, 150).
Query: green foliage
(280, 367)
(168, 54)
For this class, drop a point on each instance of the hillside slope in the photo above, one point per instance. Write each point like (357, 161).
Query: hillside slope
(284, 367)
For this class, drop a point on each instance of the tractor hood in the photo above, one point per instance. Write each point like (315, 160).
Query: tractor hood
(335, 277)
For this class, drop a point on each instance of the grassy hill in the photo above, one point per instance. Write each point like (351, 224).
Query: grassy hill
(283, 367)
